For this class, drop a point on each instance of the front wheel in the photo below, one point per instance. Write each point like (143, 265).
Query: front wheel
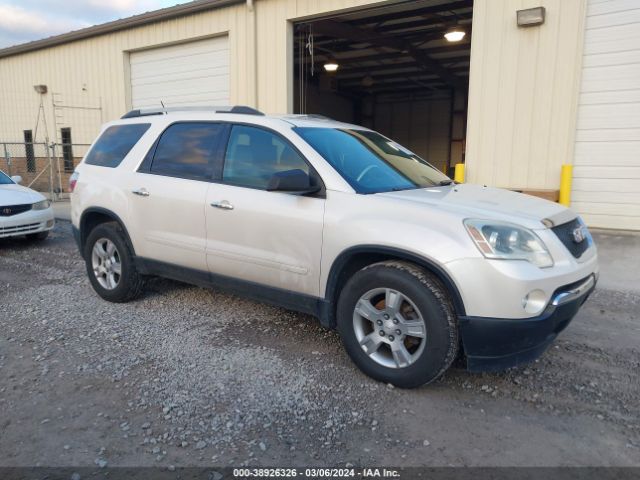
(397, 324)
(110, 265)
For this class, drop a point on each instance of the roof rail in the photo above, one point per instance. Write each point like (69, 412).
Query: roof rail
(314, 116)
(143, 112)
(317, 116)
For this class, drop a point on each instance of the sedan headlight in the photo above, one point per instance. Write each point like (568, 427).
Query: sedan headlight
(43, 205)
(508, 242)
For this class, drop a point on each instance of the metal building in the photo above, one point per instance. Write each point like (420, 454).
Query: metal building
(531, 86)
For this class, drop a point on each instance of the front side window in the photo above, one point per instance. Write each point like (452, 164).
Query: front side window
(115, 143)
(370, 162)
(254, 155)
(187, 150)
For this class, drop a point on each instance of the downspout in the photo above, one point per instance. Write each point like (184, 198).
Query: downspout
(252, 19)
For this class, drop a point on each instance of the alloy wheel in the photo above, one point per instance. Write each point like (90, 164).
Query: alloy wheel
(106, 263)
(389, 327)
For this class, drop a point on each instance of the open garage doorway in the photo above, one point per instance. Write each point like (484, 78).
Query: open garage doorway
(391, 69)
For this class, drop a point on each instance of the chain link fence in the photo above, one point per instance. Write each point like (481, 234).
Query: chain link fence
(43, 167)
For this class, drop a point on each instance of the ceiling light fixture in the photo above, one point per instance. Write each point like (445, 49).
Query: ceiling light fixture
(331, 65)
(454, 34)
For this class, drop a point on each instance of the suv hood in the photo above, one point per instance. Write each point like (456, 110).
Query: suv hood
(477, 201)
(14, 194)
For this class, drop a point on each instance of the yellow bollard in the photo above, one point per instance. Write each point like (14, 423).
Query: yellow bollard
(458, 174)
(565, 185)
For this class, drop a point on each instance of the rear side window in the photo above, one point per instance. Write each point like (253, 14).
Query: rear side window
(115, 143)
(187, 150)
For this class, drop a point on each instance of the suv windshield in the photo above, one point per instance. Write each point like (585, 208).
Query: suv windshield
(5, 180)
(370, 162)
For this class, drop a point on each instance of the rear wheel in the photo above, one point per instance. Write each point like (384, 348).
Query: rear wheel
(110, 265)
(397, 324)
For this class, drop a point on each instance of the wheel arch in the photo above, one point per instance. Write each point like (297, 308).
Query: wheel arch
(355, 258)
(94, 216)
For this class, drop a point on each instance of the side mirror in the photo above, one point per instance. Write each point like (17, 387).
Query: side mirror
(17, 179)
(295, 182)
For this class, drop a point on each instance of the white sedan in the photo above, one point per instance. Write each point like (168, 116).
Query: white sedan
(23, 211)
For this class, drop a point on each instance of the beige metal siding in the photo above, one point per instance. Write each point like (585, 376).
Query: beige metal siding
(523, 87)
(606, 184)
(95, 71)
(523, 93)
(274, 48)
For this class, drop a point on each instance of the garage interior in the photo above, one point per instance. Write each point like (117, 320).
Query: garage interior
(396, 73)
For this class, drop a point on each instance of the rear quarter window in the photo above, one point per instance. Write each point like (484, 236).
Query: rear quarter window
(115, 143)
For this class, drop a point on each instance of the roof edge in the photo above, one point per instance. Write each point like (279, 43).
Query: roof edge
(120, 24)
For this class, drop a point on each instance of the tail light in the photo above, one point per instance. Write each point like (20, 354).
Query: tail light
(73, 179)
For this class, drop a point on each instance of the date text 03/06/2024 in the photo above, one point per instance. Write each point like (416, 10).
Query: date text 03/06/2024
(315, 473)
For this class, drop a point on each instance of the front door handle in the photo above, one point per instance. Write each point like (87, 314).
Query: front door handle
(143, 192)
(223, 204)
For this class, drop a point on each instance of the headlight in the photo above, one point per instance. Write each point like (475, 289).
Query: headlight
(508, 242)
(43, 205)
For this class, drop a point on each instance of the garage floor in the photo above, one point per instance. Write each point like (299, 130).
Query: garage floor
(187, 376)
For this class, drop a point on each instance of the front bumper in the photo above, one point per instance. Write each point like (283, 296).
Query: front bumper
(32, 221)
(492, 344)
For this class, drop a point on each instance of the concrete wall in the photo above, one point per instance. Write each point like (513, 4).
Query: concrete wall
(523, 93)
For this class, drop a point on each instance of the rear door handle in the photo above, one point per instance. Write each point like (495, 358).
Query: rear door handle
(223, 204)
(143, 192)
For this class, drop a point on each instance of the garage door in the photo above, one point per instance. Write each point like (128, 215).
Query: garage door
(194, 73)
(607, 157)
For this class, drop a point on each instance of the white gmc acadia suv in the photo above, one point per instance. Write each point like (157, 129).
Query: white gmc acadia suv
(337, 221)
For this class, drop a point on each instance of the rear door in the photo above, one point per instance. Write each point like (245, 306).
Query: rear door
(168, 194)
(270, 238)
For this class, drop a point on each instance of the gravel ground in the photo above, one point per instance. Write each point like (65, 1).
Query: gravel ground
(186, 376)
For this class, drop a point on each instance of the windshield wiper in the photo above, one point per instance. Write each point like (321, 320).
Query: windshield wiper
(444, 183)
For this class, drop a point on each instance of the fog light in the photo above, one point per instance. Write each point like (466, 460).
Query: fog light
(49, 223)
(534, 302)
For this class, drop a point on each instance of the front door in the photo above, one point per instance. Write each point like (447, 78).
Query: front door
(270, 238)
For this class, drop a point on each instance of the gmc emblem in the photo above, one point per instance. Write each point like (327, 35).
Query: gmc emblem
(579, 234)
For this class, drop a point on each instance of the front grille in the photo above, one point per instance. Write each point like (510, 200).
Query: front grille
(565, 233)
(19, 229)
(9, 210)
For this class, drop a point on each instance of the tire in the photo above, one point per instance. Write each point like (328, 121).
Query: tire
(38, 237)
(119, 288)
(421, 299)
